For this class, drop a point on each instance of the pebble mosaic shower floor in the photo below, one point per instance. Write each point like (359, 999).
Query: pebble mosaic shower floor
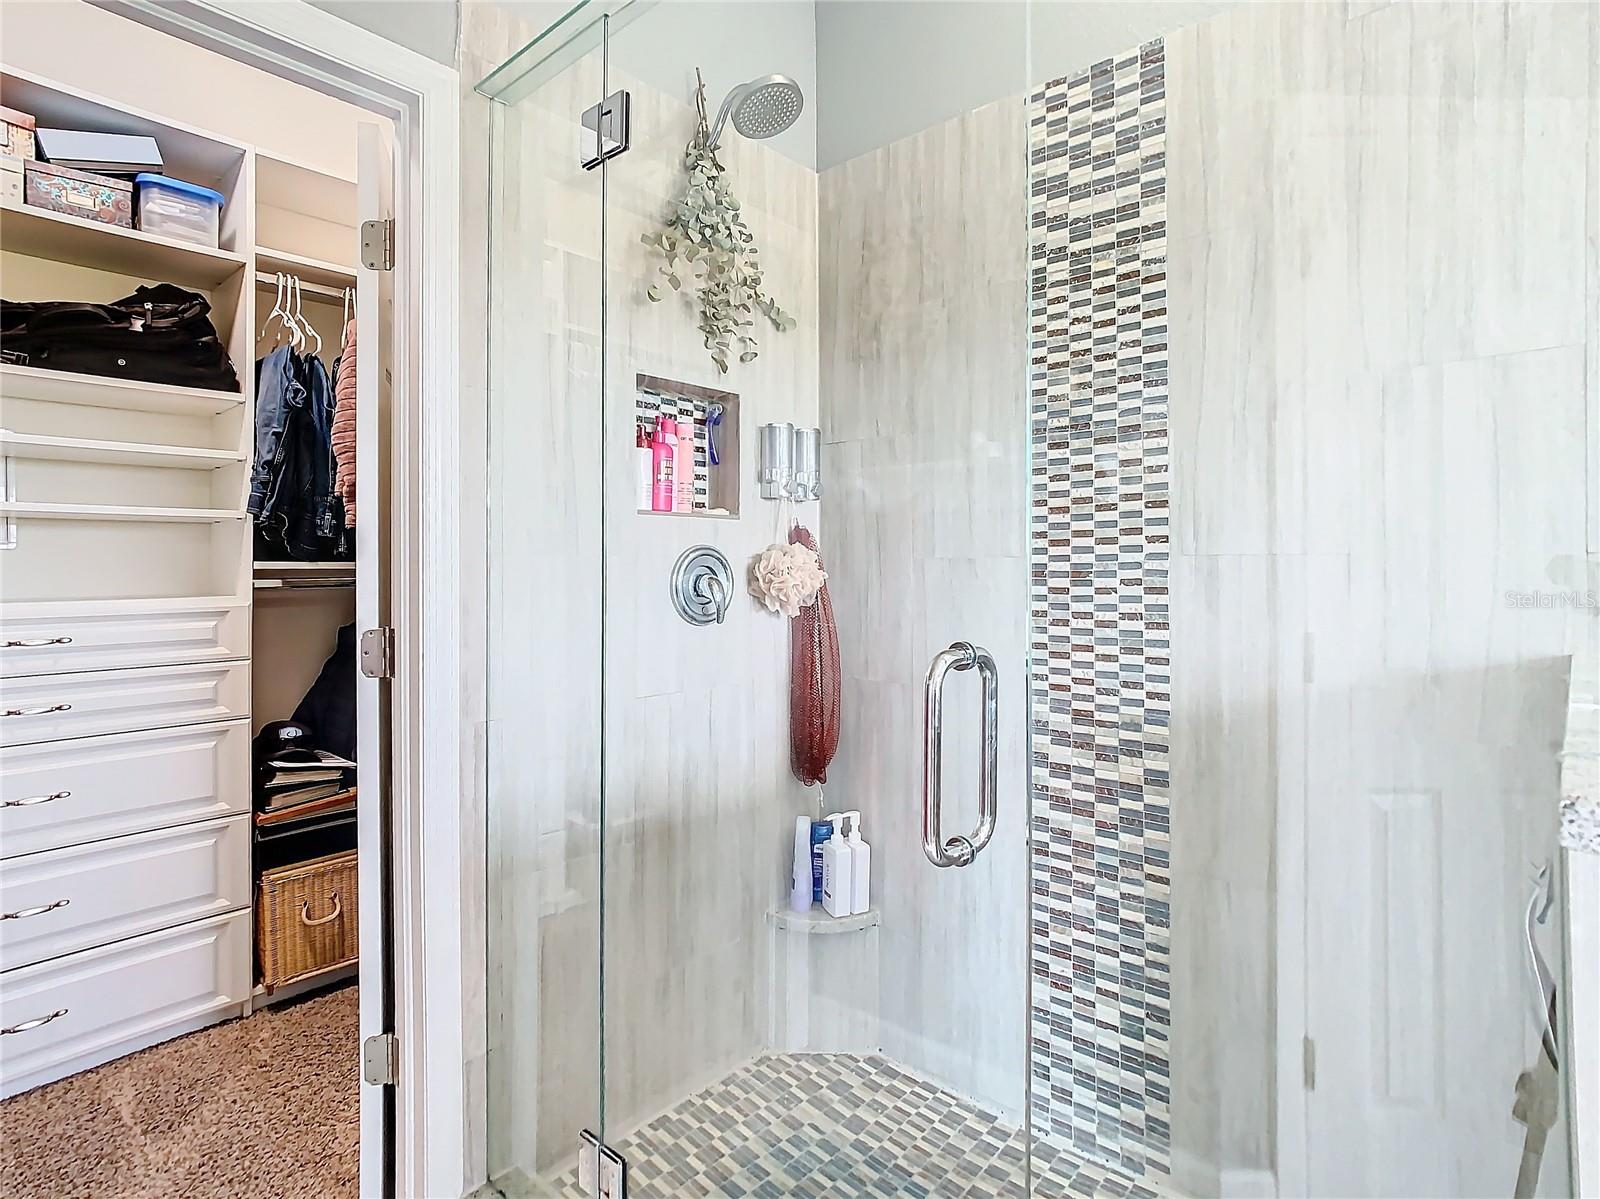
(838, 1126)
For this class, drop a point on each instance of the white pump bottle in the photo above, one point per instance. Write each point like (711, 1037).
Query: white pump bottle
(860, 867)
(836, 882)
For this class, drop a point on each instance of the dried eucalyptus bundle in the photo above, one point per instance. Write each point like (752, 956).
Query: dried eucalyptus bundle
(707, 239)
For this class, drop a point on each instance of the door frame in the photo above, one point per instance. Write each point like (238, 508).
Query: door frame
(295, 41)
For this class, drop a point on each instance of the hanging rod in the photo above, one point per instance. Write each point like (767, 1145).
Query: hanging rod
(270, 279)
(303, 584)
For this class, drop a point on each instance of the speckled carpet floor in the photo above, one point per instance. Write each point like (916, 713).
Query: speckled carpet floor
(837, 1126)
(260, 1108)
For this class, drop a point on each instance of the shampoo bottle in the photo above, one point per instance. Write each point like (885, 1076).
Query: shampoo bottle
(644, 465)
(860, 867)
(836, 871)
(661, 489)
(821, 830)
(683, 467)
(800, 878)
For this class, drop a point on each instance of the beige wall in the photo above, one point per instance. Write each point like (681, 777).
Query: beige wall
(104, 54)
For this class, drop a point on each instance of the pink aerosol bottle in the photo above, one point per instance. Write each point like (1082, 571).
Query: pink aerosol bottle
(662, 457)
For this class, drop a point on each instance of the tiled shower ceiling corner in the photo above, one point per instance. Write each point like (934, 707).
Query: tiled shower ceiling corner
(1099, 693)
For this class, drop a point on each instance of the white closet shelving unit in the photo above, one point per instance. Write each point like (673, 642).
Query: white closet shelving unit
(128, 618)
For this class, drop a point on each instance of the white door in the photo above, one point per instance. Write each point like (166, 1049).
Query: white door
(374, 321)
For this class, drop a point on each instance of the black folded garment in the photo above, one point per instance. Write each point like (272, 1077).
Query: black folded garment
(160, 334)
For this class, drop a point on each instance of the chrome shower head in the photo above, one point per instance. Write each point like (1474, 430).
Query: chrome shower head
(760, 109)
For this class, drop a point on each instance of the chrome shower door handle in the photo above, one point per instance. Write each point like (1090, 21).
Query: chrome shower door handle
(958, 851)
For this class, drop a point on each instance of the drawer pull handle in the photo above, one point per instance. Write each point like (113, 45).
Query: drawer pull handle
(36, 642)
(24, 913)
(28, 801)
(42, 711)
(305, 913)
(39, 1022)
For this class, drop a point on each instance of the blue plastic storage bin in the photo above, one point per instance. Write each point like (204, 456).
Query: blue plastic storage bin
(184, 211)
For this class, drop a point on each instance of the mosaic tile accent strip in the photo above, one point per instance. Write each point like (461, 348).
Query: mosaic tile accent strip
(1099, 696)
(837, 1126)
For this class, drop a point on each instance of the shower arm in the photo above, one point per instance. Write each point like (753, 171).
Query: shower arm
(724, 113)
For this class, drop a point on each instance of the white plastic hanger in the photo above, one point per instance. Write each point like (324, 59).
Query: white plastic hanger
(277, 311)
(305, 324)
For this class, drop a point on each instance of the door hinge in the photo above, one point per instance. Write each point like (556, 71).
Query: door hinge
(602, 1171)
(610, 124)
(380, 1060)
(377, 653)
(377, 245)
(1308, 1062)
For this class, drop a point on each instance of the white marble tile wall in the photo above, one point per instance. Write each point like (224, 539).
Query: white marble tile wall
(698, 800)
(1382, 311)
(924, 411)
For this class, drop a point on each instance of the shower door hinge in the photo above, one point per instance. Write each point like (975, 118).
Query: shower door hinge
(377, 245)
(608, 121)
(1308, 1062)
(602, 1172)
(380, 1060)
(377, 653)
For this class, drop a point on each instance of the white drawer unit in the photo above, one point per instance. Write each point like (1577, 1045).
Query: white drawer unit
(56, 706)
(56, 903)
(62, 793)
(40, 639)
(69, 1014)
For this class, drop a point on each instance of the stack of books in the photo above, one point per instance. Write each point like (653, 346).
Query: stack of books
(295, 787)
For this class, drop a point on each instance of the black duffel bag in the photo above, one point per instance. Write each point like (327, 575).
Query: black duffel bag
(159, 334)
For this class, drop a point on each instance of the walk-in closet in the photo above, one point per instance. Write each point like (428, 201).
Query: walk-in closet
(181, 389)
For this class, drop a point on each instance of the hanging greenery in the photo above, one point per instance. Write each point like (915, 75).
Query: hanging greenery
(706, 239)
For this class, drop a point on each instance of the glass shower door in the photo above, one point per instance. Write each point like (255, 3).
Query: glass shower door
(750, 1048)
(542, 754)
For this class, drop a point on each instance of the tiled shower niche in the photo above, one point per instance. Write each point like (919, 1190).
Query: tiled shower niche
(716, 439)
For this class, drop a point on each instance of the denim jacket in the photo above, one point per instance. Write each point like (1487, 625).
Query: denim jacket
(295, 512)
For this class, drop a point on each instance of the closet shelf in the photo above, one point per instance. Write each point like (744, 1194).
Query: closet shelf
(127, 453)
(98, 391)
(40, 233)
(23, 510)
(309, 270)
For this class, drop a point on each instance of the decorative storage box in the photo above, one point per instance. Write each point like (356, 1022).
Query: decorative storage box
(306, 919)
(80, 194)
(16, 133)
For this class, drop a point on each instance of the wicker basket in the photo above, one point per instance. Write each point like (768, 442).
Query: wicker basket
(306, 919)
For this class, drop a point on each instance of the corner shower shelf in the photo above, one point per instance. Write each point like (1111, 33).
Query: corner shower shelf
(125, 453)
(817, 923)
(40, 233)
(34, 511)
(99, 391)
